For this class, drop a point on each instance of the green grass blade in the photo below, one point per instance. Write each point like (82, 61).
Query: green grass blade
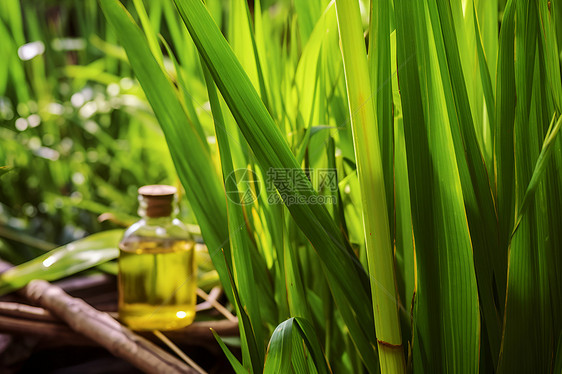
(477, 190)
(186, 98)
(281, 350)
(487, 16)
(254, 362)
(236, 365)
(487, 12)
(550, 42)
(361, 337)
(296, 291)
(487, 87)
(404, 240)
(308, 13)
(379, 59)
(531, 320)
(503, 138)
(299, 360)
(241, 257)
(149, 31)
(551, 45)
(446, 309)
(306, 330)
(240, 38)
(540, 168)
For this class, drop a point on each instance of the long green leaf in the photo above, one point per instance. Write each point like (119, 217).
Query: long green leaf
(529, 319)
(64, 261)
(306, 331)
(446, 310)
(540, 168)
(404, 241)
(503, 138)
(548, 46)
(241, 257)
(477, 190)
(281, 347)
(272, 152)
(381, 91)
(236, 365)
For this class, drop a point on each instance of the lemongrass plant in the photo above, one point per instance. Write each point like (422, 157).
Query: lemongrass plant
(382, 195)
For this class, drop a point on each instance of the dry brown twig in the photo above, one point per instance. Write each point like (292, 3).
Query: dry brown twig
(211, 298)
(103, 329)
(17, 318)
(25, 311)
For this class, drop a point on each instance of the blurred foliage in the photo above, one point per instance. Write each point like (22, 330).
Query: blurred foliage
(74, 125)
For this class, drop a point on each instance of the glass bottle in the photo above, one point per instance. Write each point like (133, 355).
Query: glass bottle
(157, 271)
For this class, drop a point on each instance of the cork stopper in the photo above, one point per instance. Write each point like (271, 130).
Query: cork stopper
(157, 200)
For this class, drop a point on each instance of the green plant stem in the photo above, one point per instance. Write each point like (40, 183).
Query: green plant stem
(373, 199)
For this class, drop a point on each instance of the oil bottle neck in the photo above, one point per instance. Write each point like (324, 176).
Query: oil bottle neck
(157, 202)
(159, 211)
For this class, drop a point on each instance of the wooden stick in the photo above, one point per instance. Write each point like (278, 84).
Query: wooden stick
(179, 352)
(103, 329)
(38, 321)
(211, 298)
(25, 311)
(218, 306)
(60, 331)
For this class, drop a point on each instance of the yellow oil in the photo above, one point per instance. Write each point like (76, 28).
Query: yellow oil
(157, 283)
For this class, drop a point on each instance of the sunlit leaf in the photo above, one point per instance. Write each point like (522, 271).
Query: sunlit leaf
(64, 261)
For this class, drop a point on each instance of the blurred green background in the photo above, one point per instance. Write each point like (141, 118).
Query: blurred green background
(75, 128)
